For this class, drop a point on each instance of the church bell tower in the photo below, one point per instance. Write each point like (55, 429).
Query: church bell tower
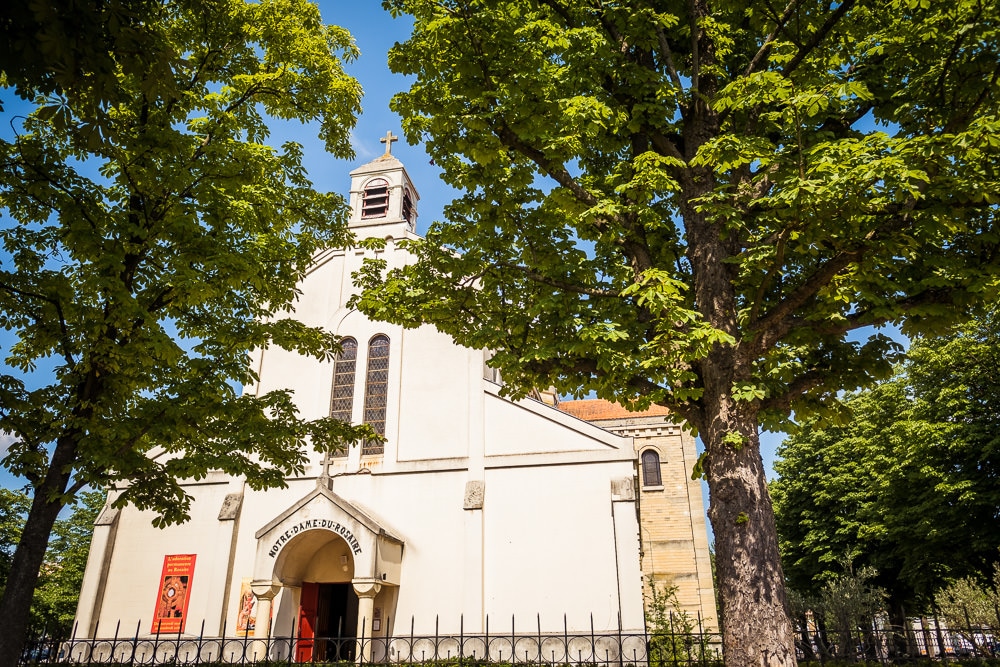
(383, 199)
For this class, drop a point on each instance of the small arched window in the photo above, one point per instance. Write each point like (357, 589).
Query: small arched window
(651, 468)
(375, 201)
(376, 390)
(342, 395)
(407, 206)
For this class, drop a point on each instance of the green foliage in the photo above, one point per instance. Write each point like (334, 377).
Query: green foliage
(54, 604)
(13, 508)
(735, 440)
(694, 204)
(840, 192)
(850, 602)
(73, 47)
(151, 283)
(698, 470)
(674, 636)
(967, 603)
(842, 616)
(911, 484)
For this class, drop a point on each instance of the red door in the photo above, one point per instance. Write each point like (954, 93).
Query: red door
(308, 607)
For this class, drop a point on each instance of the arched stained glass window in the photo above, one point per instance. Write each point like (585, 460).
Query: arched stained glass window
(651, 468)
(376, 387)
(342, 396)
(375, 202)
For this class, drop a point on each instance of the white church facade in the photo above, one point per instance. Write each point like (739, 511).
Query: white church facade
(475, 510)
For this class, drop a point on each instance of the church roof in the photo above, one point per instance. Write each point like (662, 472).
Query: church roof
(384, 162)
(362, 515)
(597, 409)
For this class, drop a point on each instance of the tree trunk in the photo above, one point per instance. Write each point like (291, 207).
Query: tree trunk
(898, 644)
(805, 640)
(757, 630)
(15, 607)
(823, 639)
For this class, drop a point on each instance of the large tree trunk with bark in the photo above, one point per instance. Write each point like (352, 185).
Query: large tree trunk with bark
(757, 630)
(15, 607)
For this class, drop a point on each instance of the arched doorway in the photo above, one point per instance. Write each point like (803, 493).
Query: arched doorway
(321, 565)
(324, 548)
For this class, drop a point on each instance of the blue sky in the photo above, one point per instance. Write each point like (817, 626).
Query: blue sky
(375, 31)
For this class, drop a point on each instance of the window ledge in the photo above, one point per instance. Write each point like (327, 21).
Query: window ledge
(653, 488)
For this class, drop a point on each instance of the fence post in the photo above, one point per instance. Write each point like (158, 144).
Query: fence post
(513, 642)
(538, 618)
(593, 643)
(135, 640)
(361, 658)
(701, 638)
(621, 649)
(388, 637)
(565, 639)
(201, 639)
(673, 639)
(93, 640)
(942, 652)
(114, 641)
(246, 635)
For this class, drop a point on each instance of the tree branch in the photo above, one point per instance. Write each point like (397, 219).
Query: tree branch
(817, 37)
(765, 48)
(775, 324)
(40, 319)
(864, 318)
(669, 58)
(795, 389)
(537, 277)
(640, 384)
(555, 170)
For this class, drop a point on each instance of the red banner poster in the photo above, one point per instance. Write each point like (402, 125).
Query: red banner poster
(175, 592)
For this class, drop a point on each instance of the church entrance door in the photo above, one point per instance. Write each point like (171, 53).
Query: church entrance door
(328, 621)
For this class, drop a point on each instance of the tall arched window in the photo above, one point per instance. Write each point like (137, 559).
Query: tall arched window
(375, 201)
(342, 395)
(376, 386)
(651, 468)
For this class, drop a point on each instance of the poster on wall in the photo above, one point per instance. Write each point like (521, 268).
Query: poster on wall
(174, 594)
(246, 620)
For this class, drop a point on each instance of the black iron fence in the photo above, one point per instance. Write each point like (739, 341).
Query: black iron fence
(879, 642)
(672, 646)
(593, 648)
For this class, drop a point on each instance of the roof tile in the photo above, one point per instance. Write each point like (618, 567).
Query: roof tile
(597, 409)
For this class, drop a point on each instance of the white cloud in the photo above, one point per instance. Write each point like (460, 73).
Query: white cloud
(361, 150)
(6, 440)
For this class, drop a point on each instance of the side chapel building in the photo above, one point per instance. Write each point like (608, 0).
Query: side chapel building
(474, 508)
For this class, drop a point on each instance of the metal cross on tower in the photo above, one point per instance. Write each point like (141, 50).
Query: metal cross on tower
(387, 140)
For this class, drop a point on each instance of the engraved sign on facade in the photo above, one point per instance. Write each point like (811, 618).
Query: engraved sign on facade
(310, 524)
